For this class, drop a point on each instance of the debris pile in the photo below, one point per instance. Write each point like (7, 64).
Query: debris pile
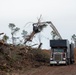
(21, 57)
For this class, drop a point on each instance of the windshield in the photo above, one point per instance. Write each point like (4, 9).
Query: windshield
(58, 50)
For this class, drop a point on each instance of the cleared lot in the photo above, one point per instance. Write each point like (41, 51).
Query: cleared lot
(48, 70)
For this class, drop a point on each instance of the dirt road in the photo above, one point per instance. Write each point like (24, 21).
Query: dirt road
(50, 70)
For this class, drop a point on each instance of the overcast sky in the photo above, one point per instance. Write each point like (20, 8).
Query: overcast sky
(62, 13)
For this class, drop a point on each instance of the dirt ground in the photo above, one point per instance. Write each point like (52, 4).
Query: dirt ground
(50, 70)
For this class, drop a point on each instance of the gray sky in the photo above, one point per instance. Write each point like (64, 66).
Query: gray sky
(61, 12)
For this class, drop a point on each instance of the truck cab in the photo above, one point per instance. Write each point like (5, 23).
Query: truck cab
(61, 52)
(58, 56)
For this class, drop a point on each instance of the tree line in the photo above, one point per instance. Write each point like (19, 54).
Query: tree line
(15, 30)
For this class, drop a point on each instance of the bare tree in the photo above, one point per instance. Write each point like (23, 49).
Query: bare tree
(14, 30)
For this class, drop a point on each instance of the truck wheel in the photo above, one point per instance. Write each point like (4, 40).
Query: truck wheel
(72, 62)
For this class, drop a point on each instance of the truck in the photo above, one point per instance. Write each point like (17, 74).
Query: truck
(62, 52)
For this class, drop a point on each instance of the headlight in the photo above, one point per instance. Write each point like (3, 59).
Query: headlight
(51, 58)
(64, 58)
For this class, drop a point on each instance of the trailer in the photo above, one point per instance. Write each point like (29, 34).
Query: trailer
(62, 52)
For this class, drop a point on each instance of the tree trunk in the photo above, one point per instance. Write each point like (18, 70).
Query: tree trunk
(12, 40)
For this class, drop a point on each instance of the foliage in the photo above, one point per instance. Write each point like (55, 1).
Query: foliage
(53, 34)
(24, 33)
(40, 56)
(5, 38)
(74, 39)
(11, 26)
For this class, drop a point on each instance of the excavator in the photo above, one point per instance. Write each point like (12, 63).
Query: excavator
(62, 52)
(37, 28)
